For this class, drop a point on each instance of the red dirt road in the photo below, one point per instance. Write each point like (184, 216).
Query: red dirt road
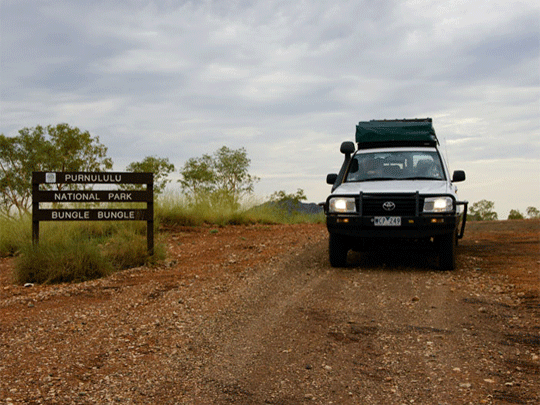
(255, 315)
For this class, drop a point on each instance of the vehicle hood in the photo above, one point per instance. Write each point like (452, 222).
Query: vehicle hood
(396, 186)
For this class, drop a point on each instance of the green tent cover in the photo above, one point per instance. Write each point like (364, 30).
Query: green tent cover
(383, 131)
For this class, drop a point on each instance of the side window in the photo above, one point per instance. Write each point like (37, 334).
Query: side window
(354, 170)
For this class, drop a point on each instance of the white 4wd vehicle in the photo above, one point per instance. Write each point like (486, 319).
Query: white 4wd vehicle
(395, 185)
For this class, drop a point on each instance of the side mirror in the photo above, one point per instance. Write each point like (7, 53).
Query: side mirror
(459, 175)
(331, 178)
(347, 148)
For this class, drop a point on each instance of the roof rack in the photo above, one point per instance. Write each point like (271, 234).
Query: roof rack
(397, 132)
(405, 120)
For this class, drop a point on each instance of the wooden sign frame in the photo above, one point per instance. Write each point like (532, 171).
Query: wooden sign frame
(91, 196)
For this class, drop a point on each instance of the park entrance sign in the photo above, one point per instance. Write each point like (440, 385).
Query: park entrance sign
(64, 201)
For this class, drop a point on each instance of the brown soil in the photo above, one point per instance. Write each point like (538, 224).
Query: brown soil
(255, 315)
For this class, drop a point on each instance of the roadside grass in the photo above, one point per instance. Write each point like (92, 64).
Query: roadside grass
(176, 209)
(78, 251)
(61, 260)
(14, 233)
(85, 250)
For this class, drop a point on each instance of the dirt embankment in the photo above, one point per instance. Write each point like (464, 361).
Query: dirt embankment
(255, 315)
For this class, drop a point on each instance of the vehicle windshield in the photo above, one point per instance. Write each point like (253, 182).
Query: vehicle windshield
(400, 165)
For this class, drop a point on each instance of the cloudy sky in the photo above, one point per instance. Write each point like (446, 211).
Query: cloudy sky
(287, 80)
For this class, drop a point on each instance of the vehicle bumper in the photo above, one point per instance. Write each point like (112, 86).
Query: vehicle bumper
(410, 228)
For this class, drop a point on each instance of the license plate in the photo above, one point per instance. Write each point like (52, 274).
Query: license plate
(387, 221)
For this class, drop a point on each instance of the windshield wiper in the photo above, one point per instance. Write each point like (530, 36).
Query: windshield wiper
(377, 179)
(420, 178)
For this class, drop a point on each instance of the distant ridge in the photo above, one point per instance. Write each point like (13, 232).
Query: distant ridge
(294, 207)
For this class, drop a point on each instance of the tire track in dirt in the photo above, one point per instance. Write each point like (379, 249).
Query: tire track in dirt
(302, 331)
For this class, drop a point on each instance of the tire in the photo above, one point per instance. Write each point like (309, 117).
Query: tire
(447, 251)
(338, 248)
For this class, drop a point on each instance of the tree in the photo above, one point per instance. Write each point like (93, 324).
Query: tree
(51, 148)
(482, 211)
(533, 212)
(282, 197)
(289, 202)
(198, 177)
(222, 177)
(231, 168)
(161, 167)
(515, 214)
(76, 151)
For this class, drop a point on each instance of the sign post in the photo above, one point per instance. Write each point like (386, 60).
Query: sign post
(99, 196)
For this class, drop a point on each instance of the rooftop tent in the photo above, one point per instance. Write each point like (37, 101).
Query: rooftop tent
(392, 132)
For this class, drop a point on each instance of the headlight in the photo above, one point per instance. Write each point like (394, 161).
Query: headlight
(344, 205)
(438, 204)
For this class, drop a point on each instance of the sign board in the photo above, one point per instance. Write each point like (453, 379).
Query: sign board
(92, 178)
(61, 198)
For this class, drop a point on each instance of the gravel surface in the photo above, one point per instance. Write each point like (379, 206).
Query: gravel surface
(255, 315)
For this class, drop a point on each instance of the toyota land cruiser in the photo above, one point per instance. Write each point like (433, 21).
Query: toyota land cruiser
(394, 185)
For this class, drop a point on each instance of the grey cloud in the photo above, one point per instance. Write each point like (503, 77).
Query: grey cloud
(499, 54)
(287, 80)
(41, 49)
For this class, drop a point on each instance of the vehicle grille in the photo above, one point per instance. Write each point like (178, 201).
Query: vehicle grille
(405, 205)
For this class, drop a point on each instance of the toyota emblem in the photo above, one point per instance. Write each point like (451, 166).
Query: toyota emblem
(389, 206)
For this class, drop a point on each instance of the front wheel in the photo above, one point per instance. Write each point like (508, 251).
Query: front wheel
(338, 248)
(447, 251)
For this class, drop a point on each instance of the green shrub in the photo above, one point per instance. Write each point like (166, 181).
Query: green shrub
(126, 249)
(61, 261)
(79, 251)
(14, 233)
